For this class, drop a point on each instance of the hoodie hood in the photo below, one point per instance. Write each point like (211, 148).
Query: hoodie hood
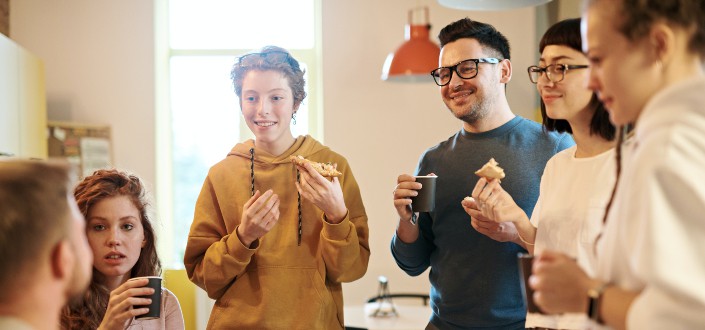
(303, 145)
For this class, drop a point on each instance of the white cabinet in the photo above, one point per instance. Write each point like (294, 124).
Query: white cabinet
(23, 120)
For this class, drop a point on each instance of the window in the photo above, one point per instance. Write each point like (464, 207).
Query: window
(199, 115)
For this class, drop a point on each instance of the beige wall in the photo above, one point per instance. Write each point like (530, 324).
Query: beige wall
(99, 58)
(99, 61)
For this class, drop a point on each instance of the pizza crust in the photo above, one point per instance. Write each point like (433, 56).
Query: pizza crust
(491, 170)
(324, 169)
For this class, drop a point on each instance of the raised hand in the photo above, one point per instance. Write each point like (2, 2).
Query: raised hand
(406, 187)
(326, 194)
(259, 215)
(495, 203)
(122, 302)
(498, 231)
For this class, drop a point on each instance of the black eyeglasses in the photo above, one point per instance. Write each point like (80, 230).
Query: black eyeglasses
(273, 57)
(554, 72)
(466, 69)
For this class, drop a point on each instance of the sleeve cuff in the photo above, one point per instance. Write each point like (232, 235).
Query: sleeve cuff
(408, 250)
(237, 249)
(339, 231)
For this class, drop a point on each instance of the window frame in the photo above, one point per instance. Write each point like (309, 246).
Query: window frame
(164, 186)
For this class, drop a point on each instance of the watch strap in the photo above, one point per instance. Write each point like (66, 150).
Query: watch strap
(594, 302)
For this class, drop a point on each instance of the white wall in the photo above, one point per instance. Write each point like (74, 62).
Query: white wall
(99, 58)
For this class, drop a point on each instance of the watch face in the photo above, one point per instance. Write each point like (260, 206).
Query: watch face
(414, 220)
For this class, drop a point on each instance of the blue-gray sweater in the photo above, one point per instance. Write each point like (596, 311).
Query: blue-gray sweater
(474, 279)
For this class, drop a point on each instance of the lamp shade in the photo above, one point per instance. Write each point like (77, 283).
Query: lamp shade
(415, 58)
(490, 4)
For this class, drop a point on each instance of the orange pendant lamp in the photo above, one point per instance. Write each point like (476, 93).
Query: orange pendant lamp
(417, 56)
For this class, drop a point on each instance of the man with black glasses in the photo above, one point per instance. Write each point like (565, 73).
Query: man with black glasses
(474, 274)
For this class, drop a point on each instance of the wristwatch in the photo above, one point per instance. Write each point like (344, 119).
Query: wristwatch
(594, 301)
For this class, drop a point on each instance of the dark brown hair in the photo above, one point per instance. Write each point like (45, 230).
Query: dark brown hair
(485, 34)
(35, 215)
(567, 33)
(88, 313)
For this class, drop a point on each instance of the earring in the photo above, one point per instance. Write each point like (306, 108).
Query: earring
(293, 118)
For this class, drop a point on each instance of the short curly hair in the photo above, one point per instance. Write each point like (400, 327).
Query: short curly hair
(271, 58)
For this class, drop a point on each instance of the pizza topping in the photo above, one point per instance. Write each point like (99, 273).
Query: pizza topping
(325, 169)
(491, 170)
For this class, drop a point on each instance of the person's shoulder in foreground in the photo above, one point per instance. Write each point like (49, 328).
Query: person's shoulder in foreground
(45, 260)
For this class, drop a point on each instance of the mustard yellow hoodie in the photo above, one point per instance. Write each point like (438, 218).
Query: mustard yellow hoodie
(277, 284)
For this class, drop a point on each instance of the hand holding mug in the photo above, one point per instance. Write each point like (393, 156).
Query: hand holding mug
(122, 302)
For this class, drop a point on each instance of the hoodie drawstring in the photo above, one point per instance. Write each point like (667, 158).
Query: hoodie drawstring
(252, 170)
(252, 189)
(298, 176)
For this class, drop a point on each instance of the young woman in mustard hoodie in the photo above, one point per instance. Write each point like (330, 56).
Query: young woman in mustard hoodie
(272, 242)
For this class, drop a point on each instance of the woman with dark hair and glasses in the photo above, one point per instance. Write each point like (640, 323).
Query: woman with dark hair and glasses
(272, 241)
(576, 183)
(124, 246)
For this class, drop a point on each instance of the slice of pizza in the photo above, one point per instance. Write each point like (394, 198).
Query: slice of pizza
(491, 170)
(324, 169)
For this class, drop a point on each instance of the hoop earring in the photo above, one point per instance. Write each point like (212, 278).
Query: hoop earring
(293, 118)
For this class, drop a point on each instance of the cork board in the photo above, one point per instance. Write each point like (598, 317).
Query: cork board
(87, 146)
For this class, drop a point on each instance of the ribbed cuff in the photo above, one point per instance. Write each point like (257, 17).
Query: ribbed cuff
(339, 231)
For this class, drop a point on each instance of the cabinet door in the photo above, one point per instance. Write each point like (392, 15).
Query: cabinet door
(32, 106)
(9, 98)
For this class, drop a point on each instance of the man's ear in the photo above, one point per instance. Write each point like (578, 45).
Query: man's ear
(62, 260)
(506, 71)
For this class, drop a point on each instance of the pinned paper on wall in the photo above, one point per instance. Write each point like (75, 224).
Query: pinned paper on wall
(87, 146)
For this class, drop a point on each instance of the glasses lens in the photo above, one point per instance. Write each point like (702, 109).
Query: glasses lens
(556, 72)
(467, 69)
(441, 76)
(534, 74)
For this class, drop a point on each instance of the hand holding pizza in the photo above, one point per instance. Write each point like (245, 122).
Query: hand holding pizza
(495, 203)
(326, 194)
